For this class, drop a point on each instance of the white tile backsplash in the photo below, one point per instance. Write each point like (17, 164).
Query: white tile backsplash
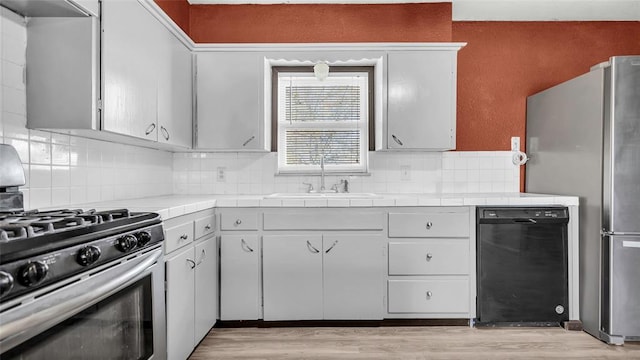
(448, 172)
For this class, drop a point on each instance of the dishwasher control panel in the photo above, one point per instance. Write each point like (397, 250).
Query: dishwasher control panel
(533, 213)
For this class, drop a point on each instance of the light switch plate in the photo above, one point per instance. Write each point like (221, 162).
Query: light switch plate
(221, 176)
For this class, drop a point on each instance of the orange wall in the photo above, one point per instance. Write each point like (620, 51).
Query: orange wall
(504, 62)
(178, 10)
(320, 23)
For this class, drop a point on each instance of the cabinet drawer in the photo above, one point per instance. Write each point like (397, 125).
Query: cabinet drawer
(178, 236)
(429, 224)
(205, 226)
(239, 220)
(429, 296)
(429, 257)
(324, 220)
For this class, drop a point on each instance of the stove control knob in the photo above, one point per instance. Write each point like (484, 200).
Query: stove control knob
(6, 282)
(88, 255)
(126, 243)
(33, 273)
(144, 237)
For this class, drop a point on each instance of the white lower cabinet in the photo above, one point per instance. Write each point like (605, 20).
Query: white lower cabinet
(292, 275)
(206, 283)
(191, 296)
(353, 272)
(323, 276)
(180, 300)
(431, 263)
(191, 281)
(240, 290)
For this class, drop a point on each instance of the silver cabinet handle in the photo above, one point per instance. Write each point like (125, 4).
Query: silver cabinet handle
(165, 132)
(238, 222)
(204, 254)
(429, 256)
(150, 129)
(192, 263)
(207, 227)
(429, 225)
(311, 248)
(429, 294)
(244, 246)
(248, 140)
(184, 237)
(397, 140)
(331, 247)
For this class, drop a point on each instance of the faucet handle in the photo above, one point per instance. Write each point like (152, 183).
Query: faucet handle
(345, 185)
(310, 186)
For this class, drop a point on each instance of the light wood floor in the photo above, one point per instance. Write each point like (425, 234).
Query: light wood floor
(427, 342)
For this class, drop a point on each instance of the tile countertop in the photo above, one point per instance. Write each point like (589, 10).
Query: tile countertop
(170, 206)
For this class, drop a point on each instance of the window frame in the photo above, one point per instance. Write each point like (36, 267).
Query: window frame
(370, 70)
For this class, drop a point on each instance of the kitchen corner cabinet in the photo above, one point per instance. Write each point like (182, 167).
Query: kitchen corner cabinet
(191, 281)
(124, 73)
(323, 276)
(421, 100)
(230, 101)
(146, 81)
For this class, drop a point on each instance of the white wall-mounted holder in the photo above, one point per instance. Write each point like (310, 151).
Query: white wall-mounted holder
(518, 158)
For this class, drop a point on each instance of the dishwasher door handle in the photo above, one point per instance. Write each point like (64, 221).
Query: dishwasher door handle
(525, 221)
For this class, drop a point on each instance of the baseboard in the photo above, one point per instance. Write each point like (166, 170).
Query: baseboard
(573, 325)
(342, 323)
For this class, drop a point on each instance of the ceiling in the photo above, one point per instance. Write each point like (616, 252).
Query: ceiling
(498, 10)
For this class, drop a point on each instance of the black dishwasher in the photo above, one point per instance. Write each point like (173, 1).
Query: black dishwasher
(522, 266)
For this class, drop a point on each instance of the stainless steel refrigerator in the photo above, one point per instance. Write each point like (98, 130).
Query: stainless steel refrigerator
(583, 138)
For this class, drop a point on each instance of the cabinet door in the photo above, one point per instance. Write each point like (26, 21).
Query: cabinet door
(206, 285)
(353, 267)
(421, 100)
(174, 92)
(129, 65)
(180, 298)
(292, 277)
(240, 277)
(230, 101)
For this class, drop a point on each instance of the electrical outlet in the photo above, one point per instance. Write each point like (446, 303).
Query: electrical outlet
(515, 143)
(221, 175)
(405, 172)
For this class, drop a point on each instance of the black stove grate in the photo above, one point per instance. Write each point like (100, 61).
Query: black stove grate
(24, 234)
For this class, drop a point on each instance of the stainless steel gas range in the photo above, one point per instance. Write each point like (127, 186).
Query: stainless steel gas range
(78, 284)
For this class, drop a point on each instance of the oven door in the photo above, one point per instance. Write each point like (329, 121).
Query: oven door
(114, 312)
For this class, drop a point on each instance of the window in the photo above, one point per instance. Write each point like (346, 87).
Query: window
(327, 118)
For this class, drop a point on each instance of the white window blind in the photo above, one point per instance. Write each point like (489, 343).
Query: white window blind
(322, 118)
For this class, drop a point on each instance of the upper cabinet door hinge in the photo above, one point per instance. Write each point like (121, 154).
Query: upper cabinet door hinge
(99, 104)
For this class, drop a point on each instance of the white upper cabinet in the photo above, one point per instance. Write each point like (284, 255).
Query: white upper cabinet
(175, 102)
(123, 74)
(421, 100)
(130, 62)
(230, 103)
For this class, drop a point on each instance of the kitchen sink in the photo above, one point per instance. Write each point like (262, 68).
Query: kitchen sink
(326, 195)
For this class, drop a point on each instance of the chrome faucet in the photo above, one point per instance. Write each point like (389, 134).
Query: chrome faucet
(322, 173)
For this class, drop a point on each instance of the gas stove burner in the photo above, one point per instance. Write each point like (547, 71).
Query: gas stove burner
(59, 243)
(27, 224)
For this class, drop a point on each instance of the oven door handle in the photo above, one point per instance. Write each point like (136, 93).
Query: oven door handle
(51, 309)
